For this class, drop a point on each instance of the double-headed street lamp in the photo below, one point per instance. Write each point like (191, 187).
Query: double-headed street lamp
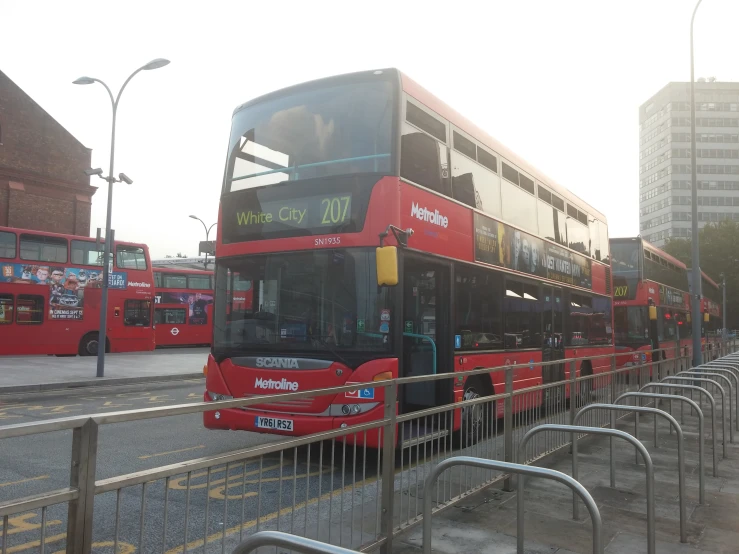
(207, 233)
(153, 64)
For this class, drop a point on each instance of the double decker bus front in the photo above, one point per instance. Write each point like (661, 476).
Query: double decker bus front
(295, 237)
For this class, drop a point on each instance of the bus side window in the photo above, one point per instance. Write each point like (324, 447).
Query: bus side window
(6, 309)
(30, 310)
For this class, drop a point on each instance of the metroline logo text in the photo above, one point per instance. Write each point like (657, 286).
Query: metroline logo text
(270, 384)
(136, 284)
(424, 214)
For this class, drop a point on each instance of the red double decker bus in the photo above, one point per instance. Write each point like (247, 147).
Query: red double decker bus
(50, 292)
(183, 307)
(503, 267)
(711, 300)
(644, 276)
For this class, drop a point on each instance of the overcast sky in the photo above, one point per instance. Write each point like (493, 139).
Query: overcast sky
(559, 82)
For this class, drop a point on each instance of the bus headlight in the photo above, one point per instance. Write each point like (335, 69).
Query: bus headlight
(336, 410)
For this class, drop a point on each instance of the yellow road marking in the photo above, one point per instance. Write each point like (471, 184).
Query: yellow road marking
(39, 478)
(6, 415)
(109, 404)
(269, 517)
(171, 452)
(35, 544)
(123, 547)
(181, 483)
(218, 493)
(20, 524)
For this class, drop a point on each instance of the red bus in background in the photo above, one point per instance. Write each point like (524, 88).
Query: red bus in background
(50, 292)
(710, 312)
(504, 266)
(644, 275)
(183, 307)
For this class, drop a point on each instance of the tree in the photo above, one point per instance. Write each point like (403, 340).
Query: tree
(719, 253)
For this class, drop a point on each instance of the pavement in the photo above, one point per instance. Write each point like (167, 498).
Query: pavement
(485, 522)
(24, 374)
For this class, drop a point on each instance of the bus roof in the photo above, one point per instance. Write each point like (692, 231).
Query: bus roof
(432, 102)
(182, 270)
(652, 249)
(422, 95)
(18, 230)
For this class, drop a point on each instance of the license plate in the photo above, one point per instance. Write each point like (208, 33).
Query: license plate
(273, 423)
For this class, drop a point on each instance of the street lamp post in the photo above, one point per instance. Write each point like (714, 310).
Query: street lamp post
(154, 64)
(724, 332)
(696, 269)
(207, 233)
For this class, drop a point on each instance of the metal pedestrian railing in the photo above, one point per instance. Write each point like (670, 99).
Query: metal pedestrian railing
(329, 486)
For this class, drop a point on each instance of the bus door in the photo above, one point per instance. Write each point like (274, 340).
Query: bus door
(426, 333)
(553, 347)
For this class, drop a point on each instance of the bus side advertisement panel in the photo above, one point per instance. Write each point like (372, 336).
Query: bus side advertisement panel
(440, 226)
(66, 285)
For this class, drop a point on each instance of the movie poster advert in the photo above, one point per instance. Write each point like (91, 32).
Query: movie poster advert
(501, 245)
(66, 285)
(197, 304)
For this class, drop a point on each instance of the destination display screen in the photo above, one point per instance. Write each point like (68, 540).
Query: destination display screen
(296, 209)
(303, 213)
(498, 244)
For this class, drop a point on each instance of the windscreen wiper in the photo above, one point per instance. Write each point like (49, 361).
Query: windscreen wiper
(331, 349)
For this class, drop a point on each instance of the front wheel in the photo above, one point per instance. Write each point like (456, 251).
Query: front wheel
(89, 345)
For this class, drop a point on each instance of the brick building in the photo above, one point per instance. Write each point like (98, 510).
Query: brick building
(42, 180)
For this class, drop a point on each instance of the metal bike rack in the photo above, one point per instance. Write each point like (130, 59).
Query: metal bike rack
(731, 370)
(286, 540)
(701, 457)
(573, 430)
(522, 470)
(732, 389)
(713, 411)
(680, 451)
(723, 401)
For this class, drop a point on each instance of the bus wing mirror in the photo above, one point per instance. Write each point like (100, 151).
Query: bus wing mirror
(653, 313)
(386, 258)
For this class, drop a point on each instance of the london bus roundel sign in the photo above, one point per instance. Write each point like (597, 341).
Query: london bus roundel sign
(175, 331)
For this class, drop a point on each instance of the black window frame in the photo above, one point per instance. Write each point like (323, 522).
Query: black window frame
(96, 248)
(158, 312)
(138, 250)
(38, 308)
(128, 306)
(3, 297)
(166, 283)
(4, 245)
(495, 291)
(192, 276)
(44, 239)
(428, 123)
(464, 145)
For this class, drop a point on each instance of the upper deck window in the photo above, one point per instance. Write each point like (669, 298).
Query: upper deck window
(39, 248)
(86, 253)
(336, 130)
(130, 257)
(7, 245)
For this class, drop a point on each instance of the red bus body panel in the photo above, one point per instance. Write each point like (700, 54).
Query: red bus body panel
(49, 320)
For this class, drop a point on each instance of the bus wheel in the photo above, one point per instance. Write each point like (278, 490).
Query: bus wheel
(89, 345)
(474, 416)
